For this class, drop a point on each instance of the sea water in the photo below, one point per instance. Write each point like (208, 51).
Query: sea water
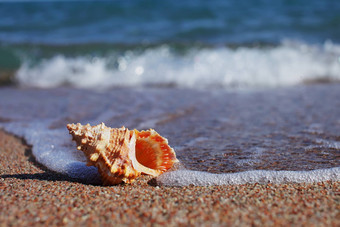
(220, 137)
(245, 92)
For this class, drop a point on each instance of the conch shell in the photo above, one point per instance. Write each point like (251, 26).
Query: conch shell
(122, 155)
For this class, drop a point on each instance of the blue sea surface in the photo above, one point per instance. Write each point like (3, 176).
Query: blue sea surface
(147, 21)
(169, 43)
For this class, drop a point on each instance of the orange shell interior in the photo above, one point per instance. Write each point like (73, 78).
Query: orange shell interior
(153, 151)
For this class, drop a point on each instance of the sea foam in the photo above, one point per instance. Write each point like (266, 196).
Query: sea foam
(53, 148)
(198, 178)
(283, 65)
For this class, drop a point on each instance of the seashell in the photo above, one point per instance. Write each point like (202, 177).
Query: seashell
(122, 155)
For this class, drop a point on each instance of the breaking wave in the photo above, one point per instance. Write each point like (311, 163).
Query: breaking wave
(287, 64)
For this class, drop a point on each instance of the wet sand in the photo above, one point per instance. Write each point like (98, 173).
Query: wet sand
(32, 195)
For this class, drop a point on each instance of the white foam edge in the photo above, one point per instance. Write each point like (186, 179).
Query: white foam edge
(198, 178)
(50, 148)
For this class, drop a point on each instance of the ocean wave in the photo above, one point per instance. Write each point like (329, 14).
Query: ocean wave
(288, 64)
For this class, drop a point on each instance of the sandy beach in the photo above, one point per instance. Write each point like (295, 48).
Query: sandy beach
(247, 97)
(32, 195)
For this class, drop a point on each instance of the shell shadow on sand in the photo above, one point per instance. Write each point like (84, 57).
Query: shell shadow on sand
(47, 175)
(92, 177)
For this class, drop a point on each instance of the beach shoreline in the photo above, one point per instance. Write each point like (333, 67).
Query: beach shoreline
(249, 104)
(32, 195)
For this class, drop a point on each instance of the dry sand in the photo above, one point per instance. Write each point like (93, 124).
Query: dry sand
(31, 195)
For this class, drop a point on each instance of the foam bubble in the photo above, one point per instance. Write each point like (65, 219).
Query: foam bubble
(254, 157)
(324, 144)
(197, 178)
(284, 65)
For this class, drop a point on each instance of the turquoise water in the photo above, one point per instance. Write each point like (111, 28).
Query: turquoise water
(145, 21)
(121, 42)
